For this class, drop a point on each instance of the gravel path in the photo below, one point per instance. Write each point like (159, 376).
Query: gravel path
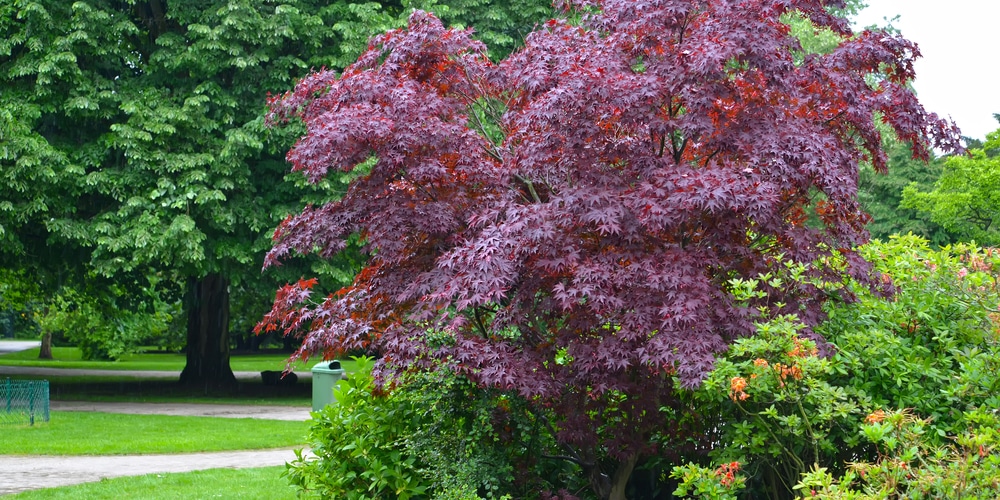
(18, 345)
(22, 473)
(32, 472)
(293, 413)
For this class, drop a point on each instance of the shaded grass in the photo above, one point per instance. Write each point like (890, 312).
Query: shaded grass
(70, 357)
(262, 483)
(160, 390)
(92, 433)
(127, 387)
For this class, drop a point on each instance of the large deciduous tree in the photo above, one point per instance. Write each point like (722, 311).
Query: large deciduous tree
(132, 137)
(965, 199)
(880, 195)
(567, 222)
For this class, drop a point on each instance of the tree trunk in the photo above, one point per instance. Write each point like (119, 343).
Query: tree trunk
(45, 352)
(612, 488)
(207, 304)
(620, 479)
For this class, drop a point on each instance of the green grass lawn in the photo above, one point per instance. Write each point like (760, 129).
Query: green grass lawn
(159, 390)
(91, 433)
(85, 433)
(69, 357)
(263, 483)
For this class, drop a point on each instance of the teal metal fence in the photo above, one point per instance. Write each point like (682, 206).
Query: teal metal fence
(24, 402)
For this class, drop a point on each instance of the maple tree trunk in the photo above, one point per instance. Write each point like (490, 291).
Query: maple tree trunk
(207, 304)
(45, 352)
(620, 479)
(611, 488)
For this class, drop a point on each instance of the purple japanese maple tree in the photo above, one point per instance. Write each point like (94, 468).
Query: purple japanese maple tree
(565, 223)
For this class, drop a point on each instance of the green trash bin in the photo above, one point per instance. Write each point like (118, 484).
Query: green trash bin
(325, 376)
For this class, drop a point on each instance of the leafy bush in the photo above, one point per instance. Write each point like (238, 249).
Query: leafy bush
(778, 411)
(476, 442)
(358, 446)
(721, 483)
(910, 466)
(932, 348)
(100, 329)
(433, 435)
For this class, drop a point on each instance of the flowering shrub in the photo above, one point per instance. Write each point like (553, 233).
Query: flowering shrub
(909, 466)
(778, 412)
(932, 348)
(722, 483)
(784, 410)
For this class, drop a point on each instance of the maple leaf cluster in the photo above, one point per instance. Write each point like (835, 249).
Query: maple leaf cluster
(564, 223)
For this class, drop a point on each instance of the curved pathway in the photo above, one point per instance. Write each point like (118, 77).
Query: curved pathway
(23, 473)
(31, 472)
(293, 413)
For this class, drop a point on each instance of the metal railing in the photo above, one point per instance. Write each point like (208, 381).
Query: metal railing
(23, 401)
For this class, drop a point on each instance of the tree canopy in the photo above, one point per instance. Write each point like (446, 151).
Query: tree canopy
(880, 195)
(572, 222)
(133, 137)
(966, 197)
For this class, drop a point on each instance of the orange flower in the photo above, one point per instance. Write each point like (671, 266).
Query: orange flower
(800, 352)
(875, 417)
(736, 386)
(785, 371)
(738, 383)
(727, 472)
(760, 363)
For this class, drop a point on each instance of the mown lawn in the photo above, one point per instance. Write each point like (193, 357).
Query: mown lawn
(70, 357)
(263, 483)
(157, 389)
(93, 433)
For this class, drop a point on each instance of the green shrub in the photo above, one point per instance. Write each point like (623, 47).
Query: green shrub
(722, 483)
(911, 466)
(358, 446)
(932, 349)
(474, 442)
(99, 327)
(434, 435)
(778, 412)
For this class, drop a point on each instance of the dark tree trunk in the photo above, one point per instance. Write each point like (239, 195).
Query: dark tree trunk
(45, 352)
(207, 304)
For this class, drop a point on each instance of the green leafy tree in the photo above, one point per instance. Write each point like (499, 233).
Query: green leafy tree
(880, 195)
(133, 140)
(966, 198)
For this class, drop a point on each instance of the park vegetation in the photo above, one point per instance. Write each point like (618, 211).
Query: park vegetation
(139, 185)
(621, 253)
(628, 261)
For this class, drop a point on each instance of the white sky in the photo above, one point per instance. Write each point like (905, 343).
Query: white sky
(958, 75)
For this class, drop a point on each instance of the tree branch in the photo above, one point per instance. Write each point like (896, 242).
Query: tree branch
(530, 186)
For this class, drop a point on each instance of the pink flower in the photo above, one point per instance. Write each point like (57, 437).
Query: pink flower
(963, 272)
